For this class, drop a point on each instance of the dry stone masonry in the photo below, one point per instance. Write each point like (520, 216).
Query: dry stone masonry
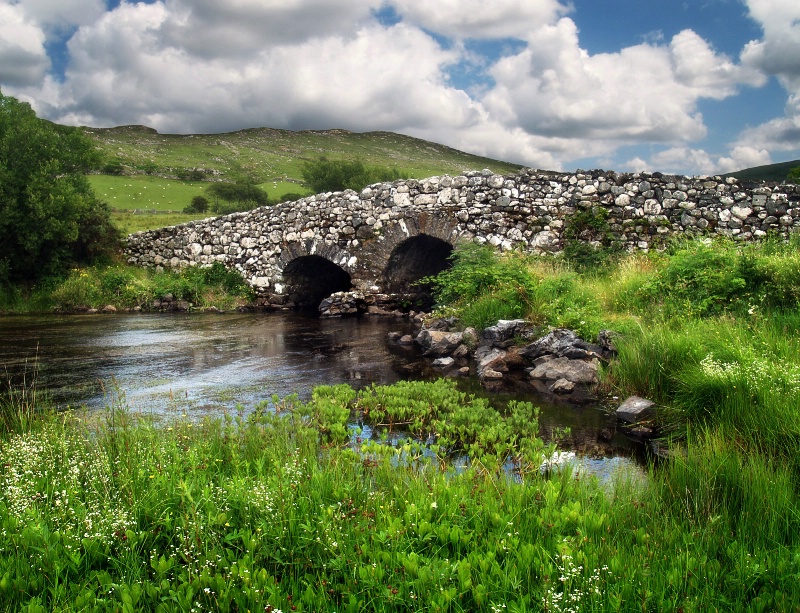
(383, 239)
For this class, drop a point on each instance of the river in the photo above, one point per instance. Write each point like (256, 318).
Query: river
(209, 363)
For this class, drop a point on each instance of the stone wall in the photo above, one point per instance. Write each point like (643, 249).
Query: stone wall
(530, 210)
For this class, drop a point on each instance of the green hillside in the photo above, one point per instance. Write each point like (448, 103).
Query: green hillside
(771, 173)
(266, 154)
(148, 172)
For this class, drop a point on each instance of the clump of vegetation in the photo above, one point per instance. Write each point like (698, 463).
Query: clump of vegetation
(190, 174)
(129, 287)
(199, 204)
(588, 244)
(324, 175)
(269, 511)
(233, 197)
(794, 175)
(50, 219)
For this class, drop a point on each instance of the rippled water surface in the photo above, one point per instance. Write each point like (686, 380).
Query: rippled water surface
(201, 363)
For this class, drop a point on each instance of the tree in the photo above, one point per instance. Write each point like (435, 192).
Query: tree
(199, 204)
(50, 218)
(232, 197)
(324, 175)
(794, 175)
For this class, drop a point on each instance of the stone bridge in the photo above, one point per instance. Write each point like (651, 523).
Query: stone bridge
(380, 241)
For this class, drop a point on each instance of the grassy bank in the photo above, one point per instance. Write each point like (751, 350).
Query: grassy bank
(292, 511)
(269, 512)
(126, 287)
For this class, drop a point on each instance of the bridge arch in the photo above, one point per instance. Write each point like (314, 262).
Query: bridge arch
(309, 279)
(310, 272)
(413, 259)
(414, 248)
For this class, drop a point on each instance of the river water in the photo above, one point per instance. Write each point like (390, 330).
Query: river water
(209, 363)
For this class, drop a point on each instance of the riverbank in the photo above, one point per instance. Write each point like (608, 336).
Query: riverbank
(285, 510)
(112, 288)
(274, 512)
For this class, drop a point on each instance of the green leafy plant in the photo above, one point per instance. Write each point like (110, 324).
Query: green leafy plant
(199, 204)
(324, 175)
(50, 219)
(233, 197)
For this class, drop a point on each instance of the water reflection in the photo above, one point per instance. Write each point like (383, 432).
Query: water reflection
(201, 363)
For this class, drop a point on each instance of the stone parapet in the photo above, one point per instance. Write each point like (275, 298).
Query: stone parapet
(531, 211)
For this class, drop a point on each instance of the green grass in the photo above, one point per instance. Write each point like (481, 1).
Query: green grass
(265, 512)
(273, 159)
(127, 287)
(290, 510)
(266, 154)
(151, 193)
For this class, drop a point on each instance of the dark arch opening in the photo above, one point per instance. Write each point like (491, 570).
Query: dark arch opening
(414, 259)
(311, 278)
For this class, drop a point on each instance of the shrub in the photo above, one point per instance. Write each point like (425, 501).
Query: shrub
(478, 270)
(587, 243)
(233, 197)
(324, 175)
(50, 219)
(190, 174)
(199, 204)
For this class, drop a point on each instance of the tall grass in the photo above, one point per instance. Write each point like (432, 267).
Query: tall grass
(127, 287)
(234, 514)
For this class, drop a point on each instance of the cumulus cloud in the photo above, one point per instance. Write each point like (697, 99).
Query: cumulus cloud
(640, 94)
(23, 59)
(677, 159)
(62, 13)
(208, 66)
(240, 28)
(778, 54)
(124, 69)
(460, 19)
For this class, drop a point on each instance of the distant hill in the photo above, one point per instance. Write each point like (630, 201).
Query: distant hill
(266, 154)
(771, 173)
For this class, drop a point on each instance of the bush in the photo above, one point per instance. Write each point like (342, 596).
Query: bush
(50, 219)
(233, 197)
(190, 174)
(199, 204)
(587, 244)
(478, 270)
(324, 175)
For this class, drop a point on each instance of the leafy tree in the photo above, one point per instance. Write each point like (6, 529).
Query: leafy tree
(199, 204)
(794, 175)
(232, 197)
(50, 218)
(324, 175)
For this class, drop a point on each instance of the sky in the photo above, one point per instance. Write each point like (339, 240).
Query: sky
(695, 87)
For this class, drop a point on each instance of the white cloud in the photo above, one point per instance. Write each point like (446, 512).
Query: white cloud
(742, 157)
(642, 93)
(240, 28)
(681, 159)
(778, 54)
(23, 60)
(125, 70)
(63, 13)
(460, 19)
(706, 73)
